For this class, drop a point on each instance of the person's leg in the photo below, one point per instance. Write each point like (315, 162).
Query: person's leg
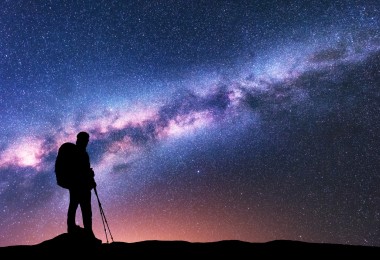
(85, 204)
(73, 205)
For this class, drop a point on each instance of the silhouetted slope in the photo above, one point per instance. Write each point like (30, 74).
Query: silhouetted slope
(68, 246)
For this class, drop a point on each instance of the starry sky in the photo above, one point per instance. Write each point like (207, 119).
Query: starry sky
(208, 120)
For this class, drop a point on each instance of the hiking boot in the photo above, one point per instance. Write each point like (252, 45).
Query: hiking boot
(90, 235)
(73, 229)
(96, 241)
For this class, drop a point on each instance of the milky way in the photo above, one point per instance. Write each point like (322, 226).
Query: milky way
(208, 120)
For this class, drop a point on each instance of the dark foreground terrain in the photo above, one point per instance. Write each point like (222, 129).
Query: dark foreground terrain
(74, 247)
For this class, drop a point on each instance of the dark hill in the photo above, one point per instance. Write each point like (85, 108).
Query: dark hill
(69, 246)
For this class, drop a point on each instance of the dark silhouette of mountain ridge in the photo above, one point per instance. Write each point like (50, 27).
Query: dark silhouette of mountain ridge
(77, 246)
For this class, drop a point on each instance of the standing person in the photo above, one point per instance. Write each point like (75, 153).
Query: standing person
(80, 190)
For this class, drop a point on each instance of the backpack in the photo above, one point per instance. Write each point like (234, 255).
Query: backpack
(65, 165)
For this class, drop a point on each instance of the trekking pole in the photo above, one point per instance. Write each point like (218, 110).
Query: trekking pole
(104, 220)
(101, 214)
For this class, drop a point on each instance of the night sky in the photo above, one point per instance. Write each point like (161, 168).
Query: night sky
(208, 120)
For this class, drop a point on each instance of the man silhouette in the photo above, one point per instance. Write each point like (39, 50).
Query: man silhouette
(80, 190)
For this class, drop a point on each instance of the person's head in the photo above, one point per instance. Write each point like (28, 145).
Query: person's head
(82, 139)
